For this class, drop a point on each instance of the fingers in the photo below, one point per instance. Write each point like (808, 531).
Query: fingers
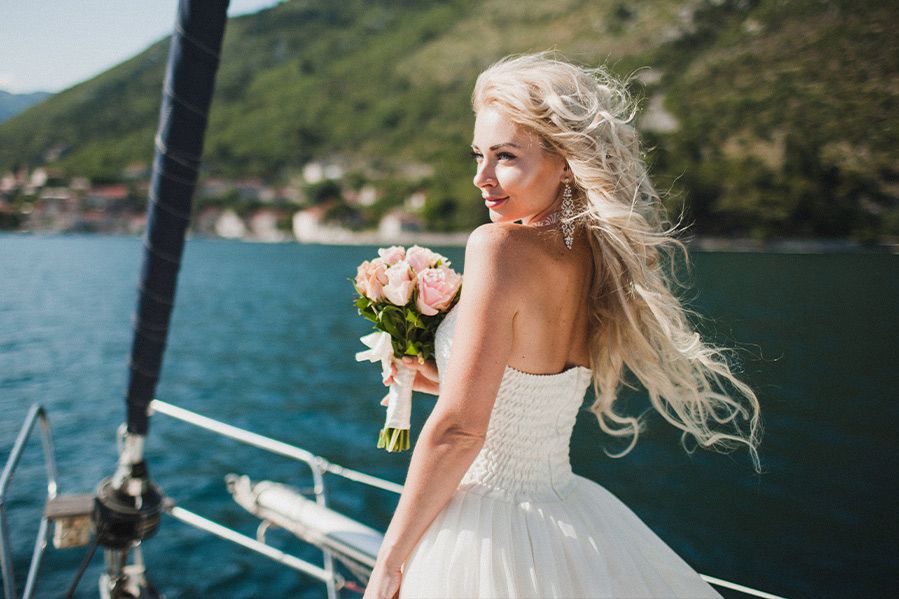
(427, 378)
(425, 366)
(390, 376)
(427, 369)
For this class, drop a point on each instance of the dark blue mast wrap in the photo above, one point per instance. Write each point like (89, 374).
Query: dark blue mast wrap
(187, 94)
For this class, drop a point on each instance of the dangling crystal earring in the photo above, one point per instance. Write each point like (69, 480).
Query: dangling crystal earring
(567, 214)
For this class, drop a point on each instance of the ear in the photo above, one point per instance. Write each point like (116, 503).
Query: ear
(566, 172)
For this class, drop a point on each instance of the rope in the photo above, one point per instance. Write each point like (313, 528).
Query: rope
(84, 563)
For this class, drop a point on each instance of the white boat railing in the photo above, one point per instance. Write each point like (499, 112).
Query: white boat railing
(197, 521)
(318, 463)
(319, 466)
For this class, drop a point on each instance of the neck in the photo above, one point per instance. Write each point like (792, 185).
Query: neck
(546, 217)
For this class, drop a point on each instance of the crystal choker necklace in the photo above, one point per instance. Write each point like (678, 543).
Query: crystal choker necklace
(548, 220)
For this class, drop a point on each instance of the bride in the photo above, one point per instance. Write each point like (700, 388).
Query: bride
(575, 294)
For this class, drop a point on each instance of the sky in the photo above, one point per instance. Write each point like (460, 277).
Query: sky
(50, 45)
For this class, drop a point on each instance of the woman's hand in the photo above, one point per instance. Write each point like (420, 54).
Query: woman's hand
(384, 583)
(426, 379)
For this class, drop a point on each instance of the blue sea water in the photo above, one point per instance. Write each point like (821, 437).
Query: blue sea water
(263, 337)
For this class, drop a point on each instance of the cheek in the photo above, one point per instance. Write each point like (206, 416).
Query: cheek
(539, 184)
(518, 178)
(548, 179)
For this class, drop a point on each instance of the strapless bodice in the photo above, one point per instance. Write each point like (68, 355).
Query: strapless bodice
(526, 450)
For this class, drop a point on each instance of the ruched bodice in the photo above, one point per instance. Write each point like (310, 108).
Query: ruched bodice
(526, 450)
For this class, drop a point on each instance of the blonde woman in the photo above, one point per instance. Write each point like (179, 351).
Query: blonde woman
(563, 288)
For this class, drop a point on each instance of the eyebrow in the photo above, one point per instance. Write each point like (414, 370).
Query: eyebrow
(498, 146)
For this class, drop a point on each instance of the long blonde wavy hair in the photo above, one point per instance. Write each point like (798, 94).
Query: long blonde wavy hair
(638, 323)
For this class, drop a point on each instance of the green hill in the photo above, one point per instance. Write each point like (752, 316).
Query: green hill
(767, 118)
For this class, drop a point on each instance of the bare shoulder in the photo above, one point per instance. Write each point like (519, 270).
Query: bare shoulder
(503, 247)
(529, 265)
(495, 277)
(492, 235)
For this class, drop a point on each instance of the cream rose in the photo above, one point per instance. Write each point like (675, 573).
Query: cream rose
(392, 255)
(420, 258)
(436, 289)
(371, 278)
(399, 285)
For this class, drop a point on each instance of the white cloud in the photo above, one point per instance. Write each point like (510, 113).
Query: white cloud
(8, 83)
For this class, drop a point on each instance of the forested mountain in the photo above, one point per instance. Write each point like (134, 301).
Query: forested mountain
(12, 104)
(766, 117)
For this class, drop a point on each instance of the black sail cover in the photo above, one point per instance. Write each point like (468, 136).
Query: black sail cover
(186, 97)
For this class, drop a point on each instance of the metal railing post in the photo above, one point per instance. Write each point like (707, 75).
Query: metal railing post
(35, 413)
(318, 466)
(9, 580)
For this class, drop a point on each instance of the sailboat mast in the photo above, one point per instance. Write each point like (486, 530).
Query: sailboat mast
(186, 97)
(128, 505)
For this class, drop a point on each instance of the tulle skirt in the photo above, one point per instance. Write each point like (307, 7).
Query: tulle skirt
(586, 544)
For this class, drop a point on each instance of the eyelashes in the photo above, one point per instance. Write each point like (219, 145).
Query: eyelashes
(502, 155)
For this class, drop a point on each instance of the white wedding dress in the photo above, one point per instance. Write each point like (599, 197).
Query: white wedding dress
(522, 524)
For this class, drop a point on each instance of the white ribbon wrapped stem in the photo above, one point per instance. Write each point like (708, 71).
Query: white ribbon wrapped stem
(395, 434)
(399, 398)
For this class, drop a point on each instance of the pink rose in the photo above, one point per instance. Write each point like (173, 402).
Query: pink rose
(371, 278)
(420, 258)
(399, 284)
(436, 289)
(393, 254)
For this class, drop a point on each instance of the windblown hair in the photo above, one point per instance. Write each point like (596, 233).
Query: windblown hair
(637, 322)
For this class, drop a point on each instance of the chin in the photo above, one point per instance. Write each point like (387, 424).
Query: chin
(499, 217)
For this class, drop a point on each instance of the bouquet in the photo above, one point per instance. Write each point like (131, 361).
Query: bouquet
(406, 294)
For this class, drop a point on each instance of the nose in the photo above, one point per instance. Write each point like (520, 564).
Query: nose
(484, 176)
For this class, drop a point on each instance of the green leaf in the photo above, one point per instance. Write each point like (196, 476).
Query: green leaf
(389, 325)
(413, 317)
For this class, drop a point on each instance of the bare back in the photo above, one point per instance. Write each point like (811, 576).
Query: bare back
(551, 327)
